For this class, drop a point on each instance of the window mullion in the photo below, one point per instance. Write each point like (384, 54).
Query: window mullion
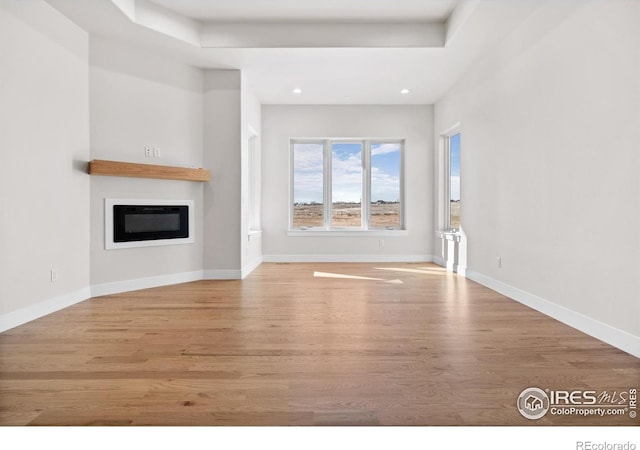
(291, 184)
(366, 185)
(403, 185)
(328, 207)
(447, 183)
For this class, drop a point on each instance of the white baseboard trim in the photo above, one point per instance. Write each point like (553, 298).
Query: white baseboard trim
(40, 309)
(460, 270)
(250, 268)
(347, 258)
(45, 307)
(439, 261)
(618, 338)
(228, 274)
(144, 283)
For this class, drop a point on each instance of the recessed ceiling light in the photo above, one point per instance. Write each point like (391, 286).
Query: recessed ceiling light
(297, 91)
(405, 91)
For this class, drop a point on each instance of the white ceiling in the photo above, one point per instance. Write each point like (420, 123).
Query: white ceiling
(311, 10)
(345, 72)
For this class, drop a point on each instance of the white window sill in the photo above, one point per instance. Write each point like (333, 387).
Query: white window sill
(351, 233)
(254, 234)
(449, 235)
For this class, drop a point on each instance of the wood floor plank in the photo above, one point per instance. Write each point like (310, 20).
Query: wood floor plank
(284, 347)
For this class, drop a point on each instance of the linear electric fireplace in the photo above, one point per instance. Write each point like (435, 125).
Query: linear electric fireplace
(144, 223)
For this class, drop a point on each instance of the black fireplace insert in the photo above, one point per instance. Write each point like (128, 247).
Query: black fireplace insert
(150, 222)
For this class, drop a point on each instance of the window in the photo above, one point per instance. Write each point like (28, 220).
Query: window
(452, 200)
(347, 184)
(308, 182)
(386, 162)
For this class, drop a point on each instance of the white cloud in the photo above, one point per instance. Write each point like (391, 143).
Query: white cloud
(308, 187)
(384, 187)
(455, 187)
(307, 157)
(347, 179)
(346, 176)
(383, 149)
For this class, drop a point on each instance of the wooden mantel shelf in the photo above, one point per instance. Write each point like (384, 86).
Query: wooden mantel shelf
(125, 169)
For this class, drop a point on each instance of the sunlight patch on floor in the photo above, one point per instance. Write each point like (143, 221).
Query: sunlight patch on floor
(353, 277)
(424, 271)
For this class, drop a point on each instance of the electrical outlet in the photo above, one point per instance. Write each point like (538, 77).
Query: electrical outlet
(54, 275)
(148, 152)
(381, 243)
(156, 152)
(499, 262)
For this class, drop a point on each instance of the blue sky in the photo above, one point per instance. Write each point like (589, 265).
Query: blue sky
(385, 172)
(454, 166)
(346, 172)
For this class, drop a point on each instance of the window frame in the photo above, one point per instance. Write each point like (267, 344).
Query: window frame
(446, 198)
(327, 156)
(401, 142)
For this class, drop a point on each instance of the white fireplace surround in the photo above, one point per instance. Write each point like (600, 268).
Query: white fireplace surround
(109, 243)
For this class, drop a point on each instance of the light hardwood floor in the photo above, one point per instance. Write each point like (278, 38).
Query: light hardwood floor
(285, 347)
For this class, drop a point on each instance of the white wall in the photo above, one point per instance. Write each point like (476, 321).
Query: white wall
(251, 125)
(65, 101)
(222, 155)
(412, 123)
(44, 148)
(139, 100)
(550, 126)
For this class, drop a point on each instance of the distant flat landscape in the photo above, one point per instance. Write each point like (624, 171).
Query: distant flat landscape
(383, 214)
(455, 214)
